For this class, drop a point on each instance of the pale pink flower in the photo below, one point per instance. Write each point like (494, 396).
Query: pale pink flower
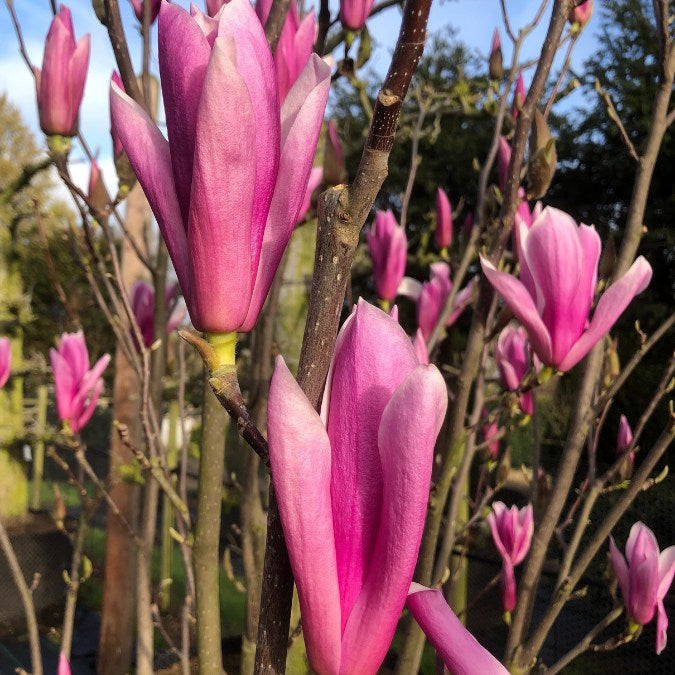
(315, 179)
(78, 387)
(558, 275)
(353, 500)
(644, 577)
(227, 187)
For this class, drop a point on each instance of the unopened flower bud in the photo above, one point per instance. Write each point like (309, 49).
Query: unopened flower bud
(495, 61)
(543, 157)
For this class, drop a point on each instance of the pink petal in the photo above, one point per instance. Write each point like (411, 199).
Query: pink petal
(149, 155)
(409, 288)
(315, 179)
(353, 13)
(221, 204)
(364, 376)
(184, 54)
(522, 305)
(620, 570)
(420, 347)
(83, 416)
(494, 519)
(443, 233)
(255, 65)
(77, 75)
(406, 438)
(300, 457)
(5, 360)
(461, 302)
(641, 544)
(301, 117)
(643, 580)
(661, 627)
(64, 667)
(625, 435)
(610, 307)
(63, 384)
(460, 651)
(666, 571)
(591, 247)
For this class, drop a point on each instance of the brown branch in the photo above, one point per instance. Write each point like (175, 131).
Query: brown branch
(120, 49)
(275, 21)
(26, 600)
(606, 99)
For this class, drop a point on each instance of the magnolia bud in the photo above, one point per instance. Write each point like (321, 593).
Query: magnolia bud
(543, 158)
(581, 14)
(495, 61)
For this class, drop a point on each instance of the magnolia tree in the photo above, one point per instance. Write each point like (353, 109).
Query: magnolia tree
(384, 449)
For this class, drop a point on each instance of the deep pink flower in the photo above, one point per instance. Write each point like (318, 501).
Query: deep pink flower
(94, 177)
(431, 296)
(353, 13)
(645, 578)
(77, 386)
(5, 360)
(143, 306)
(60, 83)
(526, 216)
(352, 486)
(213, 6)
(315, 179)
(443, 233)
(295, 43)
(558, 275)
(518, 96)
(512, 355)
(503, 160)
(512, 531)
(227, 187)
(388, 247)
(461, 653)
(581, 14)
(154, 9)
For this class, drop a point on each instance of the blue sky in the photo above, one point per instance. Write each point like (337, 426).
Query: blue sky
(474, 21)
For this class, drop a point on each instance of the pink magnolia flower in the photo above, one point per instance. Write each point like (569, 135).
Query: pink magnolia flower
(353, 499)
(295, 43)
(353, 13)
(388, 247)
(443, 233)
(558, 275)
(431, 297)
(154, 9)
(60, 83)
(227, 187)
(315, 179)
(581, 14)
(461, 653)
(512, 355)
(77, 386)
(143, 306)
(503, 160)
(518, 96)
(5, 360)
(644, 577)
(512, 531)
